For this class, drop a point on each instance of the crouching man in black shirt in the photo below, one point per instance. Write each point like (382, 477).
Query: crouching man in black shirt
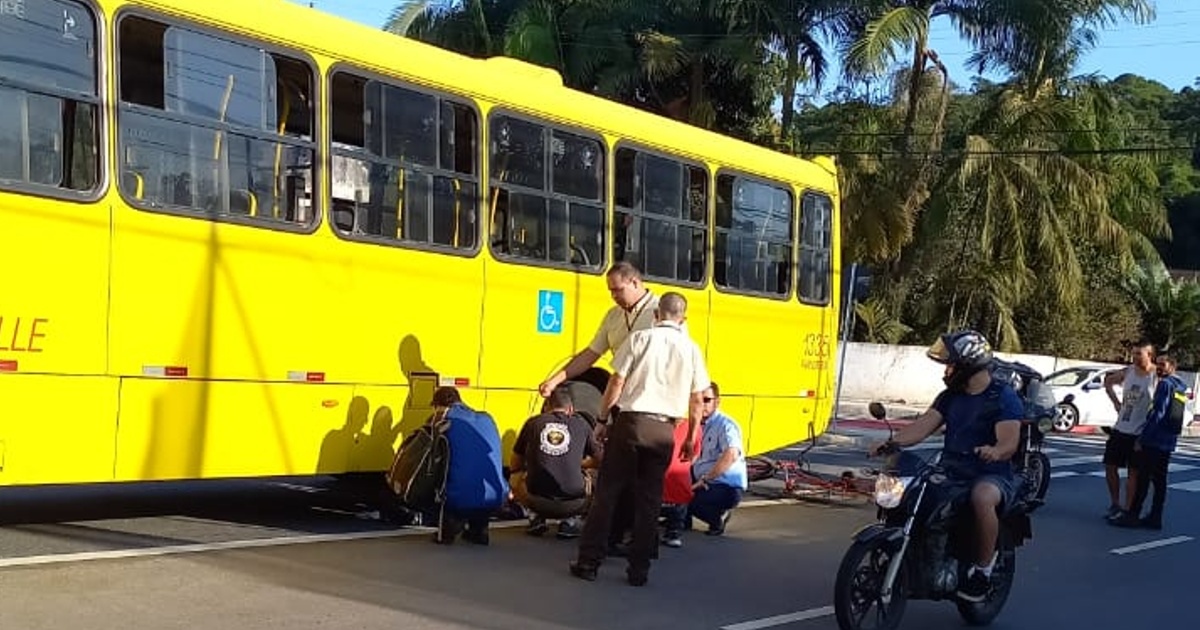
(548, 465)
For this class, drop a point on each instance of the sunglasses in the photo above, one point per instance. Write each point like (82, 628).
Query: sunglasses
(709, 399)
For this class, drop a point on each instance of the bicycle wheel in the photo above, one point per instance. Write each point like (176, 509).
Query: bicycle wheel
(760, 468)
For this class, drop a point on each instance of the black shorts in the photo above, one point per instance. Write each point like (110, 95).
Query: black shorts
(1118, 450)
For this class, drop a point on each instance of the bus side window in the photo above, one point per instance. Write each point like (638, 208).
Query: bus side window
(213, 126)
(403, 164)
(753, 246)
(546, 195)
(816, 248)
(49, 98)
(662, 216)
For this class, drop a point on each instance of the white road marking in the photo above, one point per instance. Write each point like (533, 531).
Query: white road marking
(1179, 468)
(170, 550)
(1073, 461)
(1063, 473)
(1154, 544)
(779, 620)
(1186, 486)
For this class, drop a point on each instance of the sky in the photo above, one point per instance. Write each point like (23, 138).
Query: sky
(1157, 50)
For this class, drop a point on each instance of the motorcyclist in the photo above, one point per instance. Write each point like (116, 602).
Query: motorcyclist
(983, 430)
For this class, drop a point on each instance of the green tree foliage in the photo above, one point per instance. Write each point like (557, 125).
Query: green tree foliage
(1026, 208)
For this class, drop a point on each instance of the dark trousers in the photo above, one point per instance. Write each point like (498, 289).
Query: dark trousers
(1151, 465)
(708, 504)
(635, 461)
(472, 524)
(677, 519)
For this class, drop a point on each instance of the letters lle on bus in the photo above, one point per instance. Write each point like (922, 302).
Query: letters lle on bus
(22, 334)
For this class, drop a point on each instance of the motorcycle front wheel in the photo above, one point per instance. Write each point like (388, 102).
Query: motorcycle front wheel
(1039, 475)
(857, 601)
(984, 612)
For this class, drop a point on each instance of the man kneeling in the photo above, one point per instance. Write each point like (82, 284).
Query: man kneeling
(548, 463)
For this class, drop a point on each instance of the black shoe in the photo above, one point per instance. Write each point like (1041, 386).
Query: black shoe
(583, 571)
(1150, 523)
(975, 588)
(1125, 520)
(569, 528)
(477, 537)
(537, 526)
(637, 578)
(721, 523)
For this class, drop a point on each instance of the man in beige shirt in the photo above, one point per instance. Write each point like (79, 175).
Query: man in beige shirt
(634, 310)
(659, 378)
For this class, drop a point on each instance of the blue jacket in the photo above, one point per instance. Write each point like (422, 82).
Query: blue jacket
(474, 480)
(1155, 433)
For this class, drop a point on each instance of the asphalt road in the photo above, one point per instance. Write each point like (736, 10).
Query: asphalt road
(296, 554)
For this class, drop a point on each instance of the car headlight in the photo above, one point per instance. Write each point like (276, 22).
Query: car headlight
(889, 490)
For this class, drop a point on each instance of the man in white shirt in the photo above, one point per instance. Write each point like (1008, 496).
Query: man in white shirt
(634, 310)
(659, 378)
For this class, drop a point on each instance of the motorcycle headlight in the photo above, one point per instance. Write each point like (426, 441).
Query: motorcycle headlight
(889, 490)
(1046, 424)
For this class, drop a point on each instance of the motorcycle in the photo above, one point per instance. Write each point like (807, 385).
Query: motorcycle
(1031, 465)
(921, 547)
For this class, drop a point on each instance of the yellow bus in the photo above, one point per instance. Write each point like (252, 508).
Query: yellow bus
(249, 239)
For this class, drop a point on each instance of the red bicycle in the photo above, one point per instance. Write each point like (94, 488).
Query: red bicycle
(800, 482)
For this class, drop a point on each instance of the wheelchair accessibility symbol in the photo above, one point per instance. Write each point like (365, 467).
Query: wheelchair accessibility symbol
(550, 312)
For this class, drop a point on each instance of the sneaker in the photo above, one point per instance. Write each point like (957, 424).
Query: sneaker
(1125, 520)
(479, 537)
(537, 526)
(569, 528)
(975, 588)
(1113, 512)
(673, 541)
(583, 571)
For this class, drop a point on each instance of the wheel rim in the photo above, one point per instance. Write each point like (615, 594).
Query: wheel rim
(1065, 418)
(865, 591)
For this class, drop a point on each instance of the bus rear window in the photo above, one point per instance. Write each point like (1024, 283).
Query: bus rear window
(48, 44)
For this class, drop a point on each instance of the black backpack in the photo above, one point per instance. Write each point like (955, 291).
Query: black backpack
(1030, 386)
(418, 473)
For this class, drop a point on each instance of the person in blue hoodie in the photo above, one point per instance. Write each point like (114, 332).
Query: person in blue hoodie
(1152, 451)
(475, 484)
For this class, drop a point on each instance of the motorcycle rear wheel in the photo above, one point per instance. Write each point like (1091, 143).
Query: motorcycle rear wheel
(859, 580)
(985, 612)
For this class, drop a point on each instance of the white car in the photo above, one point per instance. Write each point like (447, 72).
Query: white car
(1082, 400)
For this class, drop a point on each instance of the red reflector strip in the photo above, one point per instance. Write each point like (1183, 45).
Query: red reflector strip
(454, 381)
(173, 371)
(8, 365)
(307, 377)
(462, 382)
(808, 393)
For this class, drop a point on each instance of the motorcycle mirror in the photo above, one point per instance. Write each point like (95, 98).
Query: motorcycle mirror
(877, 410)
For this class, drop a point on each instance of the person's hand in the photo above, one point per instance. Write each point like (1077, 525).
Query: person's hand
(1137, 446)
(880, 447)
(988, 453)
(547, 387)
(685, 452)
(1116, 406)
(700, 483)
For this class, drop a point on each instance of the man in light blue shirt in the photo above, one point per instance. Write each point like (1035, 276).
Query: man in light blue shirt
(720, 470)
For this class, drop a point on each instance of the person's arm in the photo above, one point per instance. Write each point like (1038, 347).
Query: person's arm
(1114, 379)
(731, 443)
(576, 366)
(700, 382)
(622, 363)
(1008, 437)
(921, 428)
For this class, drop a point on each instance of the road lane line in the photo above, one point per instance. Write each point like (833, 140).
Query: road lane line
(257, 543)
(1154, 544)
(1074, 461)
(1063, 473)
(779, 620)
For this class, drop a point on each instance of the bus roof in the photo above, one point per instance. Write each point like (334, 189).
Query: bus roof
(516, 84)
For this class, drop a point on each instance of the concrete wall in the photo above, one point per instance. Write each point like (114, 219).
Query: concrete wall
(903, 374)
